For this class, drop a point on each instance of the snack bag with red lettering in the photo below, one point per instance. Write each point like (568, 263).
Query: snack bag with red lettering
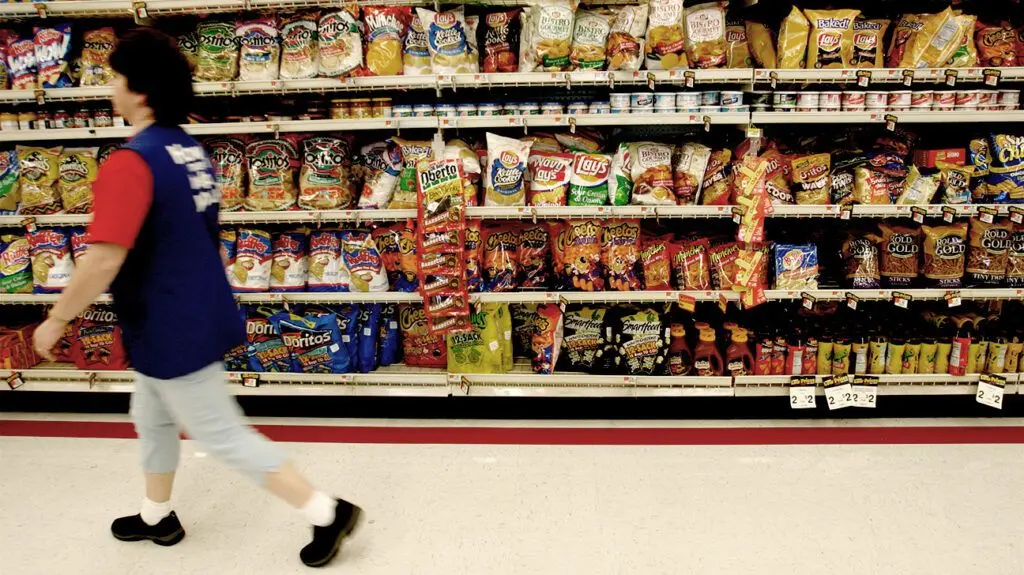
(397, 246)
(420, 347)
(52, 263)
(582, 255)
(620, 254)
(500, 257)
(21, 63)
(547, 338)
(501, 33)
(288, 267)
(52, 45)
(655, 256)
(474, 256)
(442, 203)
(385, 28)
(590, 176)
(691, 266)
(327, 273)
(363, 261)
(534, 252)
(253, 253)
(99, 345)
(549, 174)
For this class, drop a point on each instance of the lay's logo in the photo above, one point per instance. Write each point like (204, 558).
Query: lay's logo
(445, 19)
(509, 159)
(829, 40)
(591, 167)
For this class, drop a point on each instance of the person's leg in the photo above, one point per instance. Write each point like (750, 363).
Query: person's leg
(209, 414)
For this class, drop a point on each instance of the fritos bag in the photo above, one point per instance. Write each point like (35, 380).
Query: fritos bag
(324, 182)
(690, 165)
(299, 45)
(717, 183)
(867, 43)
(625, 36)
(271, 175)
(902, 38)
(831, 38)
(589, 183)
(737, 53)
(812, 181)
(997, 44)
(227, 154)
(39, 170)
(988, 252)
(665, 48)
(945, 253)
(77, 171)
(97, 46)
(620, 254)
(582, 255)
(793, 40)
(762, 45)
(385, 27)
(651, 173)
(259, 49)
(547, 39)
(341, 42)
(589, 36)
(549, 175)
(217, 55)
(706, 46)
(501, 34)
(448, 41)
(505, 178)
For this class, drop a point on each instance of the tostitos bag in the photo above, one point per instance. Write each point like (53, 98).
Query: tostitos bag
(324, 182)
(341, 42)
(299, 45)
(271, 166)
(259, 49)
(227, 154)
(217, 55)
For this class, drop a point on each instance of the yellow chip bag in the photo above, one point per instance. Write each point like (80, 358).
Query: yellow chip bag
(831, 39)
(385, 27)
(902, 37)
(966, 53)
(39, 169)
(665, 48)
(737, 53)
(547, 40)
(588, 39)
(935, 43)
(762, 45)
(793, 40)
(867, 43)
(479, 350)
(77, 171)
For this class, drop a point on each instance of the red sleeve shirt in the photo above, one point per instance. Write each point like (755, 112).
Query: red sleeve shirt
(122, 195)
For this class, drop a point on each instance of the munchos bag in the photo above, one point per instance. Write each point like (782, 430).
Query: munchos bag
(384, 29)
(656, 258)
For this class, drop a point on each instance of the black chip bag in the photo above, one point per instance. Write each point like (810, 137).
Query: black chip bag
(582, 338)
(499, 40)
(641, 342)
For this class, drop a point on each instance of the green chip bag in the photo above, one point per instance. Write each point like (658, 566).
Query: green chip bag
(479, 350)
(9, 191)
(589, 183)
(15, 265)
(621, 187)
(217, 55)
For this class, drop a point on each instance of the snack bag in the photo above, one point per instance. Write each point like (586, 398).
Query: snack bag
(448, 41)
(79, 243)
(217, 56)
(584, 140)
(776, 183)
(900, 247)
(420, 347)
(327, 273)
(860, 260)
(324, 180)
(288, 264)
(504, 180)
(706, 46)
(641, 342)
(902, 36)
(956, 183)
(10, 195)
(762, 45)
(979, 157)
(363, 261)
(691, 265)
(723, 258)
(665, 47)
(812, 181)
(253, 251)
(582, 255)
(793, 40)
(547, 39)
(390, 346)
(21, 64)
(385, 27)
(52, 263)
(227, 154)
(77, 172)
(52, 45)
(314, 342)
(271, 165)
(549, 174)
(341, 42)
(397, 246)
(473, 253)
(226, 240)
(479, 349)
(966, 53)
(461, 151)
(98, 343)
(501, 34)
(259, 49)
(589, 183)
(918, 189)
(1005, 180)
(39, 171)
(651, 173)
(945, 251)
(368, 336)
(656, 259)
(524, 318)
(689, 167)
(737, 51)
(188, 45)
(1015, 259)
(871, 187)
(534, 253)
(15, 265)
(997, 45)
(106, 150)
(556, 233)
(988, 252)
(620, 192)
(831, 38)
(266, 350)
(299, 45)
(441, 196)
(935, 43)
(620, 254)
(796, 267)
(500, 257)
(588, 39)
(623, 49)
(381, 166)
(547, 339)
(415, 53)
(867, 43)
(97, 46)
(716, 186)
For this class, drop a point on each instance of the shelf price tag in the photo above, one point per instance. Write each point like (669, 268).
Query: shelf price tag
(948, 214)
(953, 298)
(890, 122)
(686, 302)
(838, 391)
(901, 299)
(917, 214)
(650, 80)
(908, 78)
(29, 224)
(807, 300)
(737, 214)
(852, 300)
(990, 390)
(250, 380)
(865, 391)
(140, 12)
(863, 78)
(14, 381)
(801, 392)
(992, 77)
(987, 215)
(40, 97)
(723, 302)
(459, 380)
(689, 78)
(773, 79)
(951, 76)
(1017, 215)
(846, 211)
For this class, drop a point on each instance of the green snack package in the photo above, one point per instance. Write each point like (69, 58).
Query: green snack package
(9, 191)
(15, 265)
(217, 55)
(621, 189)
(479, 350)
(589, 183)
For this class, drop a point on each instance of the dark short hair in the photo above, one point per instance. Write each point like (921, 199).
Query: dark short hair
(154, 67)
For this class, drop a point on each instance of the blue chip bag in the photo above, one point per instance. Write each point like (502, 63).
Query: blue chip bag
(265, 348)
(237, 358)
(52, 45)
(348, 324)
(796, 267)
(1005, 181)
(369, 333)
(315, 342)
(390, 346)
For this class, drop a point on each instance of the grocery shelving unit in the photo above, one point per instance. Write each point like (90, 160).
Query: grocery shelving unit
(521, 382)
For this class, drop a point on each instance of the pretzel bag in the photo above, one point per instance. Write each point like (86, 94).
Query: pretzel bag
(988, 252)
(945, 251)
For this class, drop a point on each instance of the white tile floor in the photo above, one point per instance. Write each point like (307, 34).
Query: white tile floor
(562, 510)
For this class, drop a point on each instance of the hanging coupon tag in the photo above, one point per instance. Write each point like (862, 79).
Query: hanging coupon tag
(948, 214)
(863, 78)
(773, 79)
(689, 78)
(987, 215)
(808, 300)
(723, 302)
(865, 391)
(845, 211)
(917, 214)
(14, 381)
(990, 390)
(890, 122)
(687, 302)
(838, 391)
(992, 77)
(250, 380)
(737, 214)
(953, 298)
(951, 76)
(1016, 215)
(852, 300)
(901, 299)
(908, 78)
(802, 392)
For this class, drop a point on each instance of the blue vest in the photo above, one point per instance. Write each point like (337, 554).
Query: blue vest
(171, 296)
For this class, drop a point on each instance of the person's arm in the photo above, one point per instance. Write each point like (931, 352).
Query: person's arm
(122, 196)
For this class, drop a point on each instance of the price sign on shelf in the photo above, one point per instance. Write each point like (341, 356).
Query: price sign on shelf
(865, 391)
(990, 390)
(948, 213)
(14, 381)
(838, 391)
(863, 78)
(987, 215)
(1016, 215)
(953, 298)
(992, 77)
(852, 300)
(802, 392)
(917, 214)
(250, 380)
(901, 299)
(687, 302)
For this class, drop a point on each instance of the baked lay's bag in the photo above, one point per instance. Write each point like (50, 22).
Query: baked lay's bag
(52, 262)
(38, 172)
(324, 180)
(420, 347)
(227, 154)
(665, 46)
(412, 152)
(624, 49)
(77, 171)
(327, 273)
(589, 185)
(902, 37)
(793, 35)
(259, 49)
(549, 175)
(397, 246)
(288, 267)
(448, 41)
(505, 178)
(716, 187)
(52, 46)
(415, 53)
(363, 262)
(15, 265)
(830, 44)
(314, 342)
(868, 50)
(368, 337)
(385, 28)
(341, 43)
(762, 45)
(271, 167)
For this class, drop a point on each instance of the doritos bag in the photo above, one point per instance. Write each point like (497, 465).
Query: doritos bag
(369, 334)
(266, 349)
(98, 343)
(314, 342)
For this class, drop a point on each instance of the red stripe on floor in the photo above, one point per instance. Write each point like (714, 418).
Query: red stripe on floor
(561, 436)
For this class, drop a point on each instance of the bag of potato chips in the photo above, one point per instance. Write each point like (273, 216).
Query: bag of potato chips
(793, 40)
(589, 36)
(762, 45)
(77, 171)
(415, 53)
(448, 41)
(966, 53)
(624, 49)
(902, 36)
(706, 46)
(39, 170)
(831, 38)
(867, 43)
(935, 43)
(385, 27)
(737, 53)
(665, 48)
(651, 173)
(547, 40)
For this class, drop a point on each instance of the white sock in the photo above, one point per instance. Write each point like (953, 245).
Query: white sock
(319, 510)
(153, 512)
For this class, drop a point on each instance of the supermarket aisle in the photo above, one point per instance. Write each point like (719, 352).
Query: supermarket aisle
(544, 509)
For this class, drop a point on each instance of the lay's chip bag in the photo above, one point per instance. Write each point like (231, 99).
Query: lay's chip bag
(505, 178)
(831, 38)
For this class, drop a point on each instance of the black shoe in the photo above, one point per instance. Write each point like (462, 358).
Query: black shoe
(327, 540)
(166, 533)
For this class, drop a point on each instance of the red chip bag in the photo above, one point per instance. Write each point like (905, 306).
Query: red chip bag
(723, 258)
(420, 347)
(656, 257)
(98, 342)
(620, 254)
(534, 253)
(500, 35)
(556, 236)
(691, 266)
(500, 257)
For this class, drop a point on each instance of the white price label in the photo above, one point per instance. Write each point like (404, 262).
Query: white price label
(838, 392)
(802, 393)
(865, 392)
(990, 391)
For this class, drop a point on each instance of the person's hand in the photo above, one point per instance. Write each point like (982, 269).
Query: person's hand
(46, 337)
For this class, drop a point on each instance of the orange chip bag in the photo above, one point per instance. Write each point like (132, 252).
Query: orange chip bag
(723, 259)
(691, 266)
(500, 257)
(583, 255)
(620, 254)
(656, 258)
(474, 255)
(997, 44)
